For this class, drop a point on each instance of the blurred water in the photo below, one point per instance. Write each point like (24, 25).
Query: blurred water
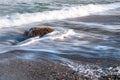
(84, 30)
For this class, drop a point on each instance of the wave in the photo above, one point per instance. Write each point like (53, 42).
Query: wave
(67, 12)
(26, 45)
(59, 34)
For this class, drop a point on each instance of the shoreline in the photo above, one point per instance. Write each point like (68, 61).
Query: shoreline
(19, 69)
(42, 69)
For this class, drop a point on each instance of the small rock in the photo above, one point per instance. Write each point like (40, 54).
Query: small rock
(33, 32)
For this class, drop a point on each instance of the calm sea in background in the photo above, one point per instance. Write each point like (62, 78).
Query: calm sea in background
(86, 36)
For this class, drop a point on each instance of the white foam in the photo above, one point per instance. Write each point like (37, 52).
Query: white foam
(41, 50)
(67, 12)
(58, 34)
(90, 70)
(87, 70)
(29, 41)
(62, 34)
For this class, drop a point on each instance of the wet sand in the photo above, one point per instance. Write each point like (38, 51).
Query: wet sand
(19, 69)
(41, 68)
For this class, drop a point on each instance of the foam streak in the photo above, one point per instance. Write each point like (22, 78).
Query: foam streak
(67, 12)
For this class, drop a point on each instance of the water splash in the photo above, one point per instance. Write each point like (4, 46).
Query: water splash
(66, 12)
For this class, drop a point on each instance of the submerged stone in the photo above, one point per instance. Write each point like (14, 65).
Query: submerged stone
(33, 32)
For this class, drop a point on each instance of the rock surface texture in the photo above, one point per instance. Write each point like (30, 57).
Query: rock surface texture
(33, 32)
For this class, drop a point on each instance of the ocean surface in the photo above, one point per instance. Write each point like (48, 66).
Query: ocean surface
(86, 36)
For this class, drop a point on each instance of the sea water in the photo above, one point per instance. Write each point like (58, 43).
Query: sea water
(89, 29)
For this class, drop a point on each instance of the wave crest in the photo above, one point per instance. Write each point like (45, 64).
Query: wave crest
(68, 12)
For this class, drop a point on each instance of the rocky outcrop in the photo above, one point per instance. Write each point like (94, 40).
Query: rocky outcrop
(33, 32)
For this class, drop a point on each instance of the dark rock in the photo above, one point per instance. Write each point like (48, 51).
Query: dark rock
(33, 32)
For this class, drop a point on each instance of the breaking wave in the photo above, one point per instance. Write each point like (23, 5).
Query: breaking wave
(67, 12)
(61, 35)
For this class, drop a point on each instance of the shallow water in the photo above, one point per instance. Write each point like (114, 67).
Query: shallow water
(85, 32)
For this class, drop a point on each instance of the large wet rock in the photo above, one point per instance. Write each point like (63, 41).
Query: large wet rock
(33, 32)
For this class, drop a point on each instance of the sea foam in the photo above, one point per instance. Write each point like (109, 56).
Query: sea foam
(18, 19)
(56, 35)
(92, 71)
